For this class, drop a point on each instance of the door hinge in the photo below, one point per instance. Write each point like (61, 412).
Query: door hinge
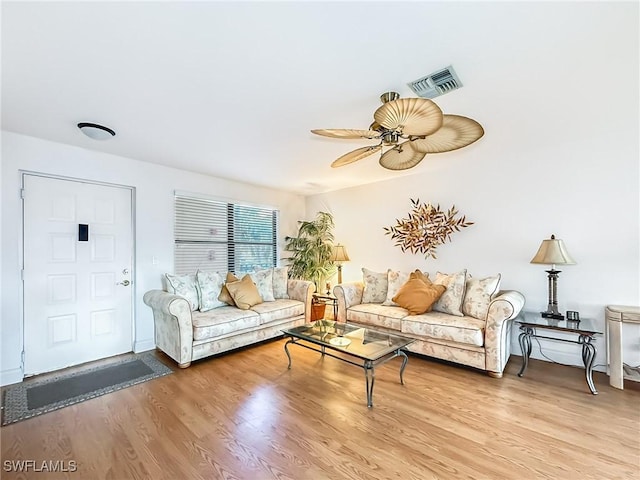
(22, 359)
(22, 274)
(22, 193)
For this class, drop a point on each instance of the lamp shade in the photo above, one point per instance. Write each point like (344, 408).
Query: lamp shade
(339, 254)
(553, 252)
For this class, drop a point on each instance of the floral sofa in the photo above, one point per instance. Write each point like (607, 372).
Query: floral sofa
(209, 313)
(467, 320)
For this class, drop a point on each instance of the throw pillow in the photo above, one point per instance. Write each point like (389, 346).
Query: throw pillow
(451, 300)
(245, 293)
(395, 281)
(478, 296)
(417, 296)
(209, 284)
(375, 286)
(185, 286)
(264, 281)
(225, 296)
(421, 275)
(280, 282)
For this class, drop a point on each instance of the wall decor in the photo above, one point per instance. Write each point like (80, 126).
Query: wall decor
(426, 227)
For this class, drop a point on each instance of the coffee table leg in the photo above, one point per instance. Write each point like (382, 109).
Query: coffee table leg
(370, 376)
(405, 359)
(588, 356)
(286, 350)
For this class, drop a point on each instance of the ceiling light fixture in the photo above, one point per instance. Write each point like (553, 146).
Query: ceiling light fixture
(95, 131)
(409, 129)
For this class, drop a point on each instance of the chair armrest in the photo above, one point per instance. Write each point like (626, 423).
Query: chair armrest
(348, 294)
(497, 340)
(173, 325)
(302, 290)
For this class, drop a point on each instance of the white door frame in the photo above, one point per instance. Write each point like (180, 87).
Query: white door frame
(23, 174)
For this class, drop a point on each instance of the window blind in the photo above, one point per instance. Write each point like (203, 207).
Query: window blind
(219, 236)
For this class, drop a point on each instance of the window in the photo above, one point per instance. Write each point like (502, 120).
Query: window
(219, 236)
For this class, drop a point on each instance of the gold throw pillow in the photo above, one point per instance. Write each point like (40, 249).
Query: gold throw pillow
(418, 297)
(244, 293)
(225, 296)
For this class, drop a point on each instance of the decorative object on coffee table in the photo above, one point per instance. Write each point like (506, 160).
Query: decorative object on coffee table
(553, 252)
(426, 228)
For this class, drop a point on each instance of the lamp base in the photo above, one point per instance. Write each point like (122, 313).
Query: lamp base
(556, 315)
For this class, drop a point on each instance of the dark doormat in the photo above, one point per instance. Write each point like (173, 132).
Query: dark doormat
(35, 397)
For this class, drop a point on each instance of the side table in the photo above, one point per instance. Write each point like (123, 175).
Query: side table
(531, 323)
(616, 315)
(328, 299)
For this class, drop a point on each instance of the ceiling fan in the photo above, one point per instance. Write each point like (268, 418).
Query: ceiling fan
(411, 128)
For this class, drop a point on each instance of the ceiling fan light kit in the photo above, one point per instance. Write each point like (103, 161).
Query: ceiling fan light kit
(421, 125)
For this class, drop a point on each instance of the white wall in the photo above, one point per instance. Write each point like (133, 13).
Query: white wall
(573, 171)
(154, 223)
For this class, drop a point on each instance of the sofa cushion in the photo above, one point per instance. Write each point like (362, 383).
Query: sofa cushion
(185, 286)
(395, 281)
(478, 295)
(222, 321)
(443, 326)
(451, 300)
(377, 315)
(209, 286)
(278, 310)
(375, 286)
(280, 281)
(244, 293)
(264, 281)
(225, 296)
(417, 296)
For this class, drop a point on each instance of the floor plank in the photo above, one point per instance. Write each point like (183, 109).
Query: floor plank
(244, 415)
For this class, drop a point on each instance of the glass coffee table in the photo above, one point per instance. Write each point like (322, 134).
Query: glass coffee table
(364, 347)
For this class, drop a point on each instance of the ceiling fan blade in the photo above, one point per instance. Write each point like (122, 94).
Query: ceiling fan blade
(401, 157)
(410, 116)
(456, 132)
(355, 155)
(346, 133)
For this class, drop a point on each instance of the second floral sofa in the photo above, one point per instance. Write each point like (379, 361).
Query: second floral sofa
(470, 323)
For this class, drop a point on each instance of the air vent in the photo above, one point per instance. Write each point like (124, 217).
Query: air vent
(436, 84)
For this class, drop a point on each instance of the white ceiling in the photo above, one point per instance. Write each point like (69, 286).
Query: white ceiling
(231, 89)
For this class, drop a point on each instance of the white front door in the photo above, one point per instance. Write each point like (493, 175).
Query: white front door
(77, 280)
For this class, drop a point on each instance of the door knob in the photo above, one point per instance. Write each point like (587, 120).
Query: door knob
(125, 283)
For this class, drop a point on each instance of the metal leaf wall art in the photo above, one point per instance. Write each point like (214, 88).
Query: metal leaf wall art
(426, 227)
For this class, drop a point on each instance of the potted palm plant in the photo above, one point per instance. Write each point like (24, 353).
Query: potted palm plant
(311, 254)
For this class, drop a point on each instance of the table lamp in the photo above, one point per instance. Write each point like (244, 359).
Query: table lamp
(339, 255)
(553, 252)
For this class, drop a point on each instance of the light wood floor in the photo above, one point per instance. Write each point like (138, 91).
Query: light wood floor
(243, 415)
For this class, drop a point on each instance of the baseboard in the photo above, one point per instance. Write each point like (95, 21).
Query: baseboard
(14, 375)
(144, 346)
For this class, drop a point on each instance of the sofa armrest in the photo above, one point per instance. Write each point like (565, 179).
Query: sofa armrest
(173, 326)
(497, 339)
(348, 294)
(302, 290)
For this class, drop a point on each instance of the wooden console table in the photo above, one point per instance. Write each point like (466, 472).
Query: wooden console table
(616, 315)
